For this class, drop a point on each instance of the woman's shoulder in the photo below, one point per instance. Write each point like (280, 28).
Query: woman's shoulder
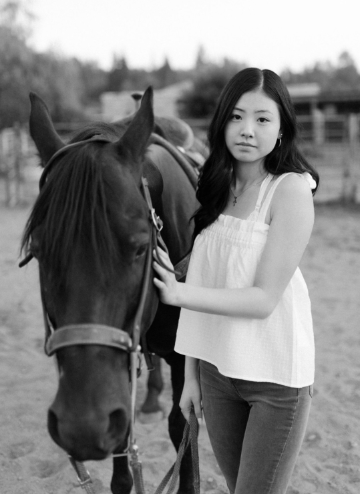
(293, 182)
(293, 191)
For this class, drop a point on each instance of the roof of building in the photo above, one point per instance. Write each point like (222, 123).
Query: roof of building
(304, 91)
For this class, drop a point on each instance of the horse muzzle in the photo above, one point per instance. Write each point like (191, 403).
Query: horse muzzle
(91, 436)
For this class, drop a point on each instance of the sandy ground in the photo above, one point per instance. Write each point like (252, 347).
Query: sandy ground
(330, 458)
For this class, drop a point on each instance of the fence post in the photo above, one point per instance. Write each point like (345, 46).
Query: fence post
(318, 121)
(350, 165)
(12, 157)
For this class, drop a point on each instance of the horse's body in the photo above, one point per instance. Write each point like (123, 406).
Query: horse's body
(90, 232)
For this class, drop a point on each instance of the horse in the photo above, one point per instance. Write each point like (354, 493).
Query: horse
(92, 232)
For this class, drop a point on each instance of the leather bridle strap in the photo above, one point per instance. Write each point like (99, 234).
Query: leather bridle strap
(88, 334)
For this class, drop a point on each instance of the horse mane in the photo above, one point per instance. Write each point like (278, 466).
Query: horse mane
(73, 207)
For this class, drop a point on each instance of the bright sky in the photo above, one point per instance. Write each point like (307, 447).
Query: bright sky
(265, 33)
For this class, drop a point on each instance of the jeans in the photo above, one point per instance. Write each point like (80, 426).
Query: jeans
(255, 429)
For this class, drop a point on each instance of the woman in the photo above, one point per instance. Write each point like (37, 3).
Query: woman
(246, 326)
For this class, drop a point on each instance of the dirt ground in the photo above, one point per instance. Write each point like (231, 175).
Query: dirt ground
(330, 458)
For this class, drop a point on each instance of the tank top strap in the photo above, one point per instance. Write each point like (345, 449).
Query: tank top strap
(263, 187)
(263, 209)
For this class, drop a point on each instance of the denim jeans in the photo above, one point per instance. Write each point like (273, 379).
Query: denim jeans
(255, 429)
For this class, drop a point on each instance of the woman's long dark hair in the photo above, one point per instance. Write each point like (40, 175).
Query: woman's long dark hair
(217, 173)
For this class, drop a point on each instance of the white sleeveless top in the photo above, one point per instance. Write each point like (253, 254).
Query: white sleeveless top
(278, 349)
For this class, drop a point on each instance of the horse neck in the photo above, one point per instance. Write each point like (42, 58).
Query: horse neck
(176, 202)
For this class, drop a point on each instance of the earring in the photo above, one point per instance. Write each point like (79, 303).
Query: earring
(280, 136)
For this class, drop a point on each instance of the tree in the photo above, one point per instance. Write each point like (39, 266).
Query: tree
(346, 75)
(164, 76)
(200, 62)
(93, 82)
(15, 77)
(342, 76)
(200, 101)
(118, 75)
(16, 16)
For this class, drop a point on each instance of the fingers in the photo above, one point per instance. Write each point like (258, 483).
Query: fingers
(186, 413)
(160, 254)
(165, 276)
(198, 411)
(162, 275)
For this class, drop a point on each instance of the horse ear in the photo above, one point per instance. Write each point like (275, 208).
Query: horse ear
(135, 139)
(42, 129)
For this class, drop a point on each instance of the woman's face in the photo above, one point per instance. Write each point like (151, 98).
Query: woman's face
(254, 127)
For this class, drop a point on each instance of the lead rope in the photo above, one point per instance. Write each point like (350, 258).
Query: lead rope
(190, 436)
(83, 476)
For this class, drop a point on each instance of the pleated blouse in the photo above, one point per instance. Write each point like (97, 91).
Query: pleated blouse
(278, 349)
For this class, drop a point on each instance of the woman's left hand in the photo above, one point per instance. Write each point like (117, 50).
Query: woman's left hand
(166, 283)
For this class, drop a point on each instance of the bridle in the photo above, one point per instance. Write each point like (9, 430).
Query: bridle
(99, 334)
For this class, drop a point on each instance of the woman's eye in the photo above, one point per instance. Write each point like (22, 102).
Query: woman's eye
(235, 117)
(263, 120)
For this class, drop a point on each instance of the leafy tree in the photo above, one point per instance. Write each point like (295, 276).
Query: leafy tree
(15, 76)
(345, 75)
(342, 76)
(93, 81)
(17, 17)
(200, 101)
(58, 81)
(118, 75)
(164, 76)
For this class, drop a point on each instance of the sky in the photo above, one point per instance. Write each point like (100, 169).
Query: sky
(274, 34)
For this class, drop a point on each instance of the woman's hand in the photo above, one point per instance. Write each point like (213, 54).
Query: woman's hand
(166, 283)
(191, 395)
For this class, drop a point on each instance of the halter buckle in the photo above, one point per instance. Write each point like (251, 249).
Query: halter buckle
(157, 221)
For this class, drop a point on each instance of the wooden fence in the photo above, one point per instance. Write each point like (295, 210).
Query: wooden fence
(330, 142)
(14, 151)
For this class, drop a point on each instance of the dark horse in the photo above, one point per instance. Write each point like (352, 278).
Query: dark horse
(90, 232)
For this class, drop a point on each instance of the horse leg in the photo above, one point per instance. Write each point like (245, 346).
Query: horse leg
(121, 481)
(155, 386)
(177, 422)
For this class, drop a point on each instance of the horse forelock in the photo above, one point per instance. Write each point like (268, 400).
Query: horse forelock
(108, 131)
(73, 208)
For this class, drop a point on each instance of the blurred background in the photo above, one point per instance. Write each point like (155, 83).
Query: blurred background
(86, 59)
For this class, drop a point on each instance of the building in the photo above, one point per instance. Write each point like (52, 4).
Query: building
(115, 106)
(309, 97)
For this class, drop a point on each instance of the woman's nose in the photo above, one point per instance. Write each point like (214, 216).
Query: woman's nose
(247, 130)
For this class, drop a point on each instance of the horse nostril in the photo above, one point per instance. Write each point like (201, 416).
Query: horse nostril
(117, 422)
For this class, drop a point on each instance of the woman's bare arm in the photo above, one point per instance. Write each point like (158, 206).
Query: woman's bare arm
(292, 218)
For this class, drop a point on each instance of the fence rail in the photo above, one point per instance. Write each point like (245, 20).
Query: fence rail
(331, 142)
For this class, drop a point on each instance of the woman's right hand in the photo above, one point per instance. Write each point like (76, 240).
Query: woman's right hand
(191, 395)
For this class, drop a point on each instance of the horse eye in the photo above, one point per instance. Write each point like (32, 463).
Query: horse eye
(141, 251)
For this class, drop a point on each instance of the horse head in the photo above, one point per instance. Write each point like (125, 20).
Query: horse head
(90, 232)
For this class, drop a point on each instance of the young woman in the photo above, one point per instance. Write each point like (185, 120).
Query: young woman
(246, 326)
